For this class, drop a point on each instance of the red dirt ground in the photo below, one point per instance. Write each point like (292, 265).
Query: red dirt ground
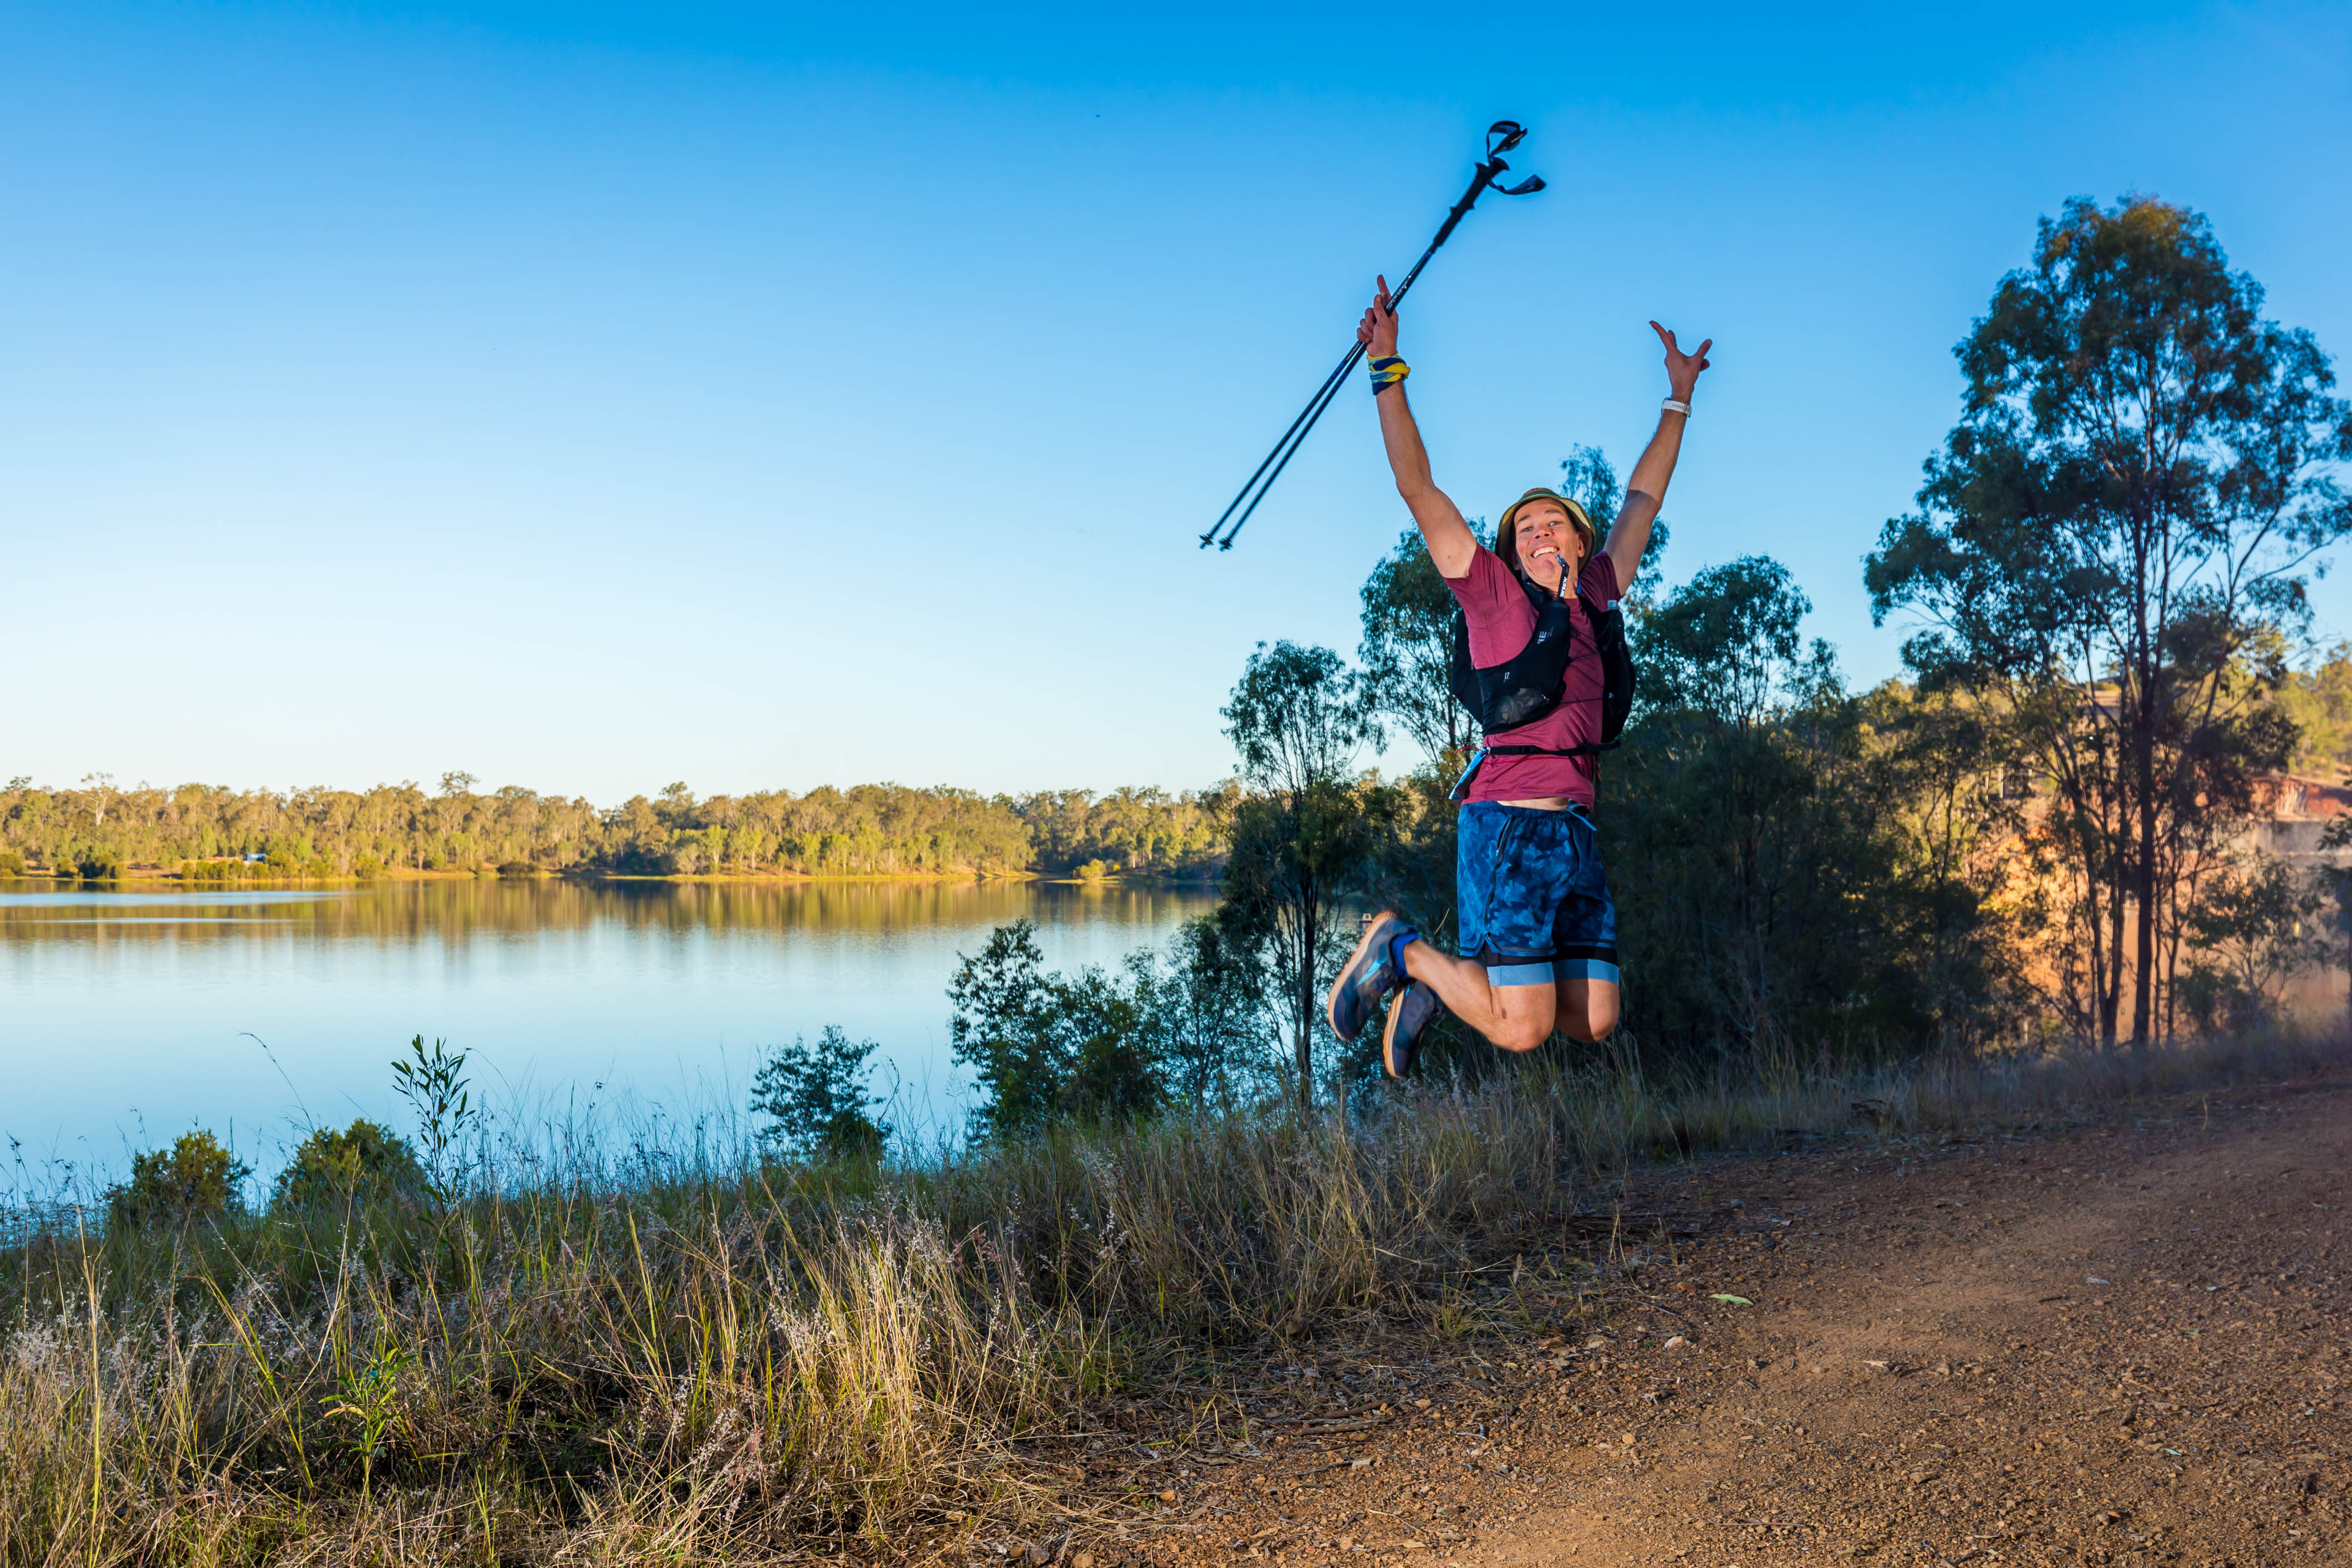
(2110, 1343)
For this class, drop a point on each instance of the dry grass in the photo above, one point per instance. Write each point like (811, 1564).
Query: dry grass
(700, 1357)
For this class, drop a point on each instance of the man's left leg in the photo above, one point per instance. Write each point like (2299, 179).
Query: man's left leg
(1585, 1010)
(1584, 947)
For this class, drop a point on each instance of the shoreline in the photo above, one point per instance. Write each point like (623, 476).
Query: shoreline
(174, 879)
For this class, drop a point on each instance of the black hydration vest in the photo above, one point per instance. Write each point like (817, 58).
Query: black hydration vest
(1531, 682)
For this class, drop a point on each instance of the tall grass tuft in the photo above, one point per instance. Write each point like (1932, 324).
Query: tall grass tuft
(619, 1356)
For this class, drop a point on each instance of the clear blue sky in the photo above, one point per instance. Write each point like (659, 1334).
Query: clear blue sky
(589, 397)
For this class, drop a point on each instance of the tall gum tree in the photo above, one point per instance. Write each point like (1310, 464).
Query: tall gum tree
(2144, 472)
(1296, 721)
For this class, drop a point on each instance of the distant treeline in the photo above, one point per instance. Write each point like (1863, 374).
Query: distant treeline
(99, 829)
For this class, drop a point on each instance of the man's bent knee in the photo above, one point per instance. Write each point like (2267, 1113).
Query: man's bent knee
(1520, 1033)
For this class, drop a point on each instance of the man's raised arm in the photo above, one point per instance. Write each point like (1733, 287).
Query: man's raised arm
(1646, 490)
(1451, 544)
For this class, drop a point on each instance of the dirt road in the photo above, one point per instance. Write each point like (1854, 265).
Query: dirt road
(2122, 1343)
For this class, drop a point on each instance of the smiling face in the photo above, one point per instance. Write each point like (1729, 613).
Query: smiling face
(1548, 542)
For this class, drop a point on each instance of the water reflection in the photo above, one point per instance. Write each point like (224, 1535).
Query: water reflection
(127, 1015)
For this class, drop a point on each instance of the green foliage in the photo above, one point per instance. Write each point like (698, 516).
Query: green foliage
(2317, 702)
(816, 1098)
(362, 1163)
(869, 830)
(1127, 831)
(1587, 477)
(1209, 1015)
(97, 866)
(1051, 1049)
(11, 863)
(2252, 928)
(1782, 888)
(433, 1084)
(1407, 648)
(195, 1178)
(1726, 643)
(368, 1397)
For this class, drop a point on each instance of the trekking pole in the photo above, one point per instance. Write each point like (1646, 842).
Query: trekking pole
(1501, 137)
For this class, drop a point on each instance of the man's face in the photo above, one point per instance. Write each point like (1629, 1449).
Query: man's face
(1549, 543)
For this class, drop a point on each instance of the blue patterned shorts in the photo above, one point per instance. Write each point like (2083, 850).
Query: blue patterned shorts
(1534, 904)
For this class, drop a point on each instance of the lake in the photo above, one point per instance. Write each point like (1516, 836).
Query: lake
(129, 1014)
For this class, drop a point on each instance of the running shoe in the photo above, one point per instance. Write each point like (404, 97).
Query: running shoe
(1370, 973)
(1416, 1008)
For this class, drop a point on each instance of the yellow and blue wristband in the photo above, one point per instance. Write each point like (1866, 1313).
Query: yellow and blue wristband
(1387, 371)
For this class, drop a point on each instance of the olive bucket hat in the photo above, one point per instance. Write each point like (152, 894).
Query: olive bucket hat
(1507, 542)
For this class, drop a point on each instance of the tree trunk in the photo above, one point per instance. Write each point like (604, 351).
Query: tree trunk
(2111, 984)
(1303, 1037)
(2144, 961)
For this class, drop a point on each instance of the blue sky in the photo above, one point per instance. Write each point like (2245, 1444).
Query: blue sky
(592, 396)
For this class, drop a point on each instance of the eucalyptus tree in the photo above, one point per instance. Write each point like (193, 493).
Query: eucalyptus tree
(1297, 720)
(2143, 474)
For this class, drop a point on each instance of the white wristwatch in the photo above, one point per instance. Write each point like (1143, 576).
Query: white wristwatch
(1677, 406)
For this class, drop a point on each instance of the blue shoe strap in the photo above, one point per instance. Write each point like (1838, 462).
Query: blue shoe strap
(1396, 951)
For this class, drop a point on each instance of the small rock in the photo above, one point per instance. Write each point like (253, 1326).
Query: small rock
(1036, 1556)
(1596, 1343)
(1082, 1560)
(1421, 1405)
(1168, 1497)
(1677, 1342)
(1627, 1439)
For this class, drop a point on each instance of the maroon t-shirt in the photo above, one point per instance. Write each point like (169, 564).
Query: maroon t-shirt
(1502, 619)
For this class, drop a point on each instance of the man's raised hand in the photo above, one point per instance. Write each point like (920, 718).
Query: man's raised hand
(1682, 369)
(1376, 330)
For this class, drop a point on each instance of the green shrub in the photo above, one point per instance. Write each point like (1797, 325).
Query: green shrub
(99, 866)
(517, 869)
(11, 863)
(195, 1177)
(363, 1163)
(817, 1096)
(367, 868)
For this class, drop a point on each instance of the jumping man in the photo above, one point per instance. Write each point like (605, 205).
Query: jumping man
(1538, 934)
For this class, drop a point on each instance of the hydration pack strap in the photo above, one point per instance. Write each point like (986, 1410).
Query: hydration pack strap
(1462, 785)
(1590, 748)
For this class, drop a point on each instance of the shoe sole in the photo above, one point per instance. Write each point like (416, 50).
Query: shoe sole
(1381, 922)
(1388, 1040)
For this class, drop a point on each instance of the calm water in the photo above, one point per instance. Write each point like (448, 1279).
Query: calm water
(125, 1016)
